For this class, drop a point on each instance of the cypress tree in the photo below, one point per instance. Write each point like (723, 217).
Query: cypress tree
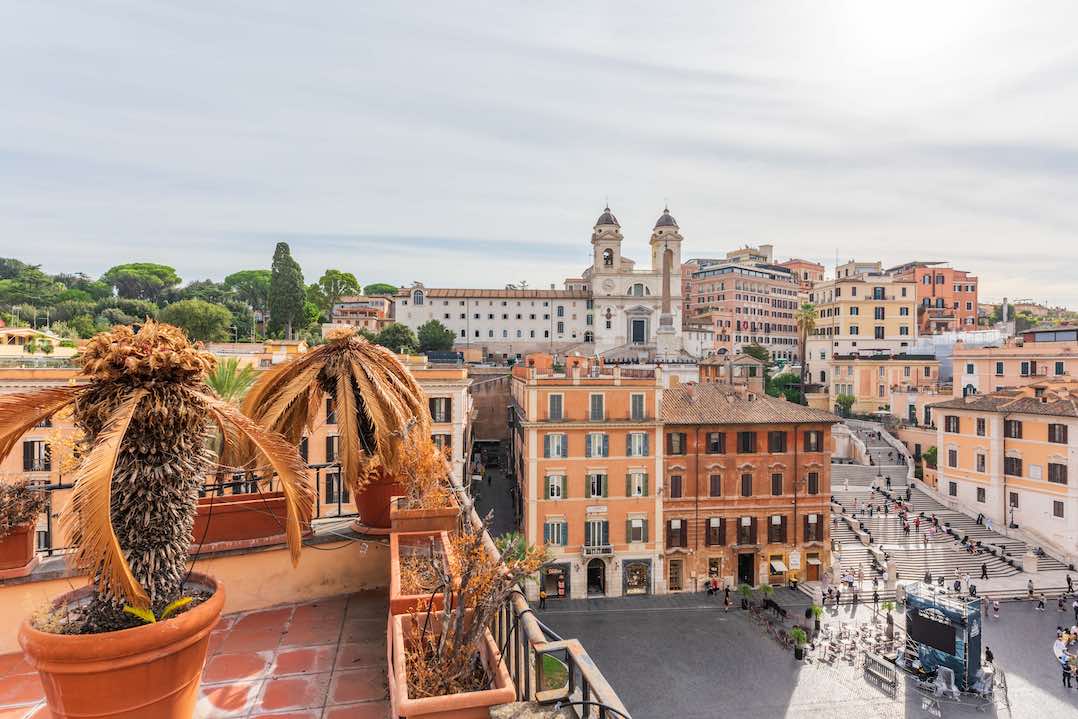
(287, 292)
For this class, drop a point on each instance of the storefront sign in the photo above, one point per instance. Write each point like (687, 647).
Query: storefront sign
(795, 559)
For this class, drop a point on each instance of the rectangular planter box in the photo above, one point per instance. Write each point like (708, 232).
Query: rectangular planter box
(236, 521)
(17, 552)
(406, 543)
(469, 705)
(423, 520)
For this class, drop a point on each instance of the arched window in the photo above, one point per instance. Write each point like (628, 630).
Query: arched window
(589, 336)
(608, 257)
(637, 290)
(417, 297)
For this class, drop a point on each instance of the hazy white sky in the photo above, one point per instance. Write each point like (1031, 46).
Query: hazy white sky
(473, 144)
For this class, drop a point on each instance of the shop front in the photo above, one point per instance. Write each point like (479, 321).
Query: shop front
(556, 579)
(636, 576)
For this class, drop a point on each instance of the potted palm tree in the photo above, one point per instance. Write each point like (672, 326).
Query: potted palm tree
(745, 590)
(20, 506)
(143, 621)
(428, 503)
(378, 405)
(800, 639)
(444, 662)
(817, 612)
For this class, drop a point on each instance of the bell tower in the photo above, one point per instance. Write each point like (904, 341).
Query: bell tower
(666, 262)
(606, 244)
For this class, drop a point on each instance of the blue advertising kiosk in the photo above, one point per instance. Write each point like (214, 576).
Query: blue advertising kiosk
(945, 630)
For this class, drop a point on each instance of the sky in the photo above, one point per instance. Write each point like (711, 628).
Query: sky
(474, 144)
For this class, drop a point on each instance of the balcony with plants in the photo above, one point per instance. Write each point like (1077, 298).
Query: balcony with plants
(135, 614)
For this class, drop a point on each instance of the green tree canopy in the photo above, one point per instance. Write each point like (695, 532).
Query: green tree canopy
(784, 385)
(433, 336)
(141, 280)
(251, 286)
(334, 285)
(845, 402)
(10, 268)
(380, 288)
(398, 338)
(201, 320)
(231, 381)
(287, 293)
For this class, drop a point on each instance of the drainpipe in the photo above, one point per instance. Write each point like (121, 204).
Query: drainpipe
(1003, 452)
(696, 539)
(796, 474)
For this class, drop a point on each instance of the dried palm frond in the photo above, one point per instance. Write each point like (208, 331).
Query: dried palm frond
(89, 514)
(281, 455)
(378, 402)
(20, 411)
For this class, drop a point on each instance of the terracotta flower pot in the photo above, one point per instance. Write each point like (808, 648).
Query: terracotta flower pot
(372, 505)
(467, 705)
(148, 672)
(235, 521)
(423, 520)
(17, 552)
(414, 543)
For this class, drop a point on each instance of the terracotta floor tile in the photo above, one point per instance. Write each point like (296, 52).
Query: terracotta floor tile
(367, 710)
(263, 619)
(364, 630)
(302, 714)
(360, 655)
(358, 685)
(14, 663)
(333, 607)
(311, 634)
(304, 660)
(217, 638)
(235, 699)
(367, 605)
(21, 689)
(250, 641)
(294, 692)
(225, 622)
(237, 667)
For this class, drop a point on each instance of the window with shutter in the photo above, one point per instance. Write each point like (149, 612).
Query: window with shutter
(675, 486)
(716, 442)
(1057, 433)
(776, 484)
(715, 481)
(637, 407)
(684, 534)
(1057, 473)
(746, 442)
(813, 441)
(331, 448)
(555, 407)
(776, 442)
(746, 485)
(813, 482)
(597, 408)
(331, 411)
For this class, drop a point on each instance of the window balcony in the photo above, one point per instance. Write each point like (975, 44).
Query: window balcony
(596, 550)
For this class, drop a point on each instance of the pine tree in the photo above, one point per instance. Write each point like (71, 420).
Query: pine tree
(287, 292)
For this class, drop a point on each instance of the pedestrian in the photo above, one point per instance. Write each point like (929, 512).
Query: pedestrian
(1041, 603)
(876, 600)
(917, 523)
(989, 657)
(995, 608)
(957, 585)
(965, 580)
(928, 576)
(838, 597)
(726, 599)
(1065, 665)
(984, 570)
(1029, 588)
(926, 540)
(860, 573)
(1070, 585)
(542, 599)
(846, 484)
(1074, 606)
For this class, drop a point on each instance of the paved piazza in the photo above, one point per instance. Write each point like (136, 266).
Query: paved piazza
(681, 655)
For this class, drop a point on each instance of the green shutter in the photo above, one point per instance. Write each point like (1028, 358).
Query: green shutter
(546, 533)
(564, 533)
(645, 530)
(628, 531)
(628, 485)
(603, 482)
(546, 489)
(564, 486)
(645, 485)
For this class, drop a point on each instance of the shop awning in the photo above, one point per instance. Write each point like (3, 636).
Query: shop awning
(813, 560)
(778, 565)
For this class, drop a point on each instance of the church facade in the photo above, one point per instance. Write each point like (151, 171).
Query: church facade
(613, 308)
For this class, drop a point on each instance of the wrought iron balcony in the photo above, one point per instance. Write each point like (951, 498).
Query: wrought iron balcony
(597, 550)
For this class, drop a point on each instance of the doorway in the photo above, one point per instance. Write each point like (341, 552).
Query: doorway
(746, 569)
(596, 578)
(639, 329)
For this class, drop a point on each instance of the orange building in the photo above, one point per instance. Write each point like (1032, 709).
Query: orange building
(746, 487)
(588, 454)
(946, 297)
(1037, 354)
(1007, 455)
(742, 370)
(806, 273)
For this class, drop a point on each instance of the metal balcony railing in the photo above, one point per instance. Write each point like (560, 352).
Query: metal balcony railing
(596, 550)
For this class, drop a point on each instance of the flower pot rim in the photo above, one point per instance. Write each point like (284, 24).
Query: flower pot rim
(395, 509)
(395, 594)
(72, 649)
(19, 529)
(501, 691)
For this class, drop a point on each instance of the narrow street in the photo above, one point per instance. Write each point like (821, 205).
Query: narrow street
(494, 492)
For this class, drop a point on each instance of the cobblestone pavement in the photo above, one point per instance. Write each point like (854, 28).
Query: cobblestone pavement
(681, 655)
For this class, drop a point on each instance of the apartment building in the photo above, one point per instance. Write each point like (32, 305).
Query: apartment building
(875, 380)
(745, 489)
(748, 304)
(588, 456)
(1032, 356)
(743, 371)
(360, 311)
(859, 313)
(1007, 455)
(946, 297)
(805, 273)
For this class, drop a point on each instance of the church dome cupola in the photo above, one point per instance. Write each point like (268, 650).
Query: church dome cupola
(666, 219)
(607, 218)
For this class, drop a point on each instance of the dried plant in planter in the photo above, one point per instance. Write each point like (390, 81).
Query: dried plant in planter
(20, 504)
(424, 474)
(378, 403)
(422, 568)
(145, 414)
(443, 647)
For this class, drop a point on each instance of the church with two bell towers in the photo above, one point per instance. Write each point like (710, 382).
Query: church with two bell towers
(614, 308)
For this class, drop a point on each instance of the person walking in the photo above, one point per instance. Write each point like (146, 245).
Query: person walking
(995, 608)
(1074, 606)
(989, 657)
(984, 570)
(846, 484)
(876, 600)
(1029, 588)
(1059, 603)
(917, 523)
(542, 599)
(726, 599)
(860, 574)
(926, 540)
(1070, 585)
(1066, 667)
(965, 580)
(928, 576)
(1041, 603)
